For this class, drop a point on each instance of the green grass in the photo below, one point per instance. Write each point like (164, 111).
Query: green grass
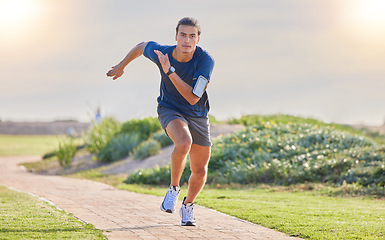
(26, 217)
(309, 211)
(249, 120)
(306, 214)
(18, 145)
(318, 213)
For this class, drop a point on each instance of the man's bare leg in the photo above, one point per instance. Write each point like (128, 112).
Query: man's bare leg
(180, 135)
(199, 161)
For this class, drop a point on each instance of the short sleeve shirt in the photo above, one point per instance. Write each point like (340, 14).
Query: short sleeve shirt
(200, 64)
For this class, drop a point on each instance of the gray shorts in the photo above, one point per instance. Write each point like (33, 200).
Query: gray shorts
(199, 127)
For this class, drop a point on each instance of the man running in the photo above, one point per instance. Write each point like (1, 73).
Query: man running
(183, 108)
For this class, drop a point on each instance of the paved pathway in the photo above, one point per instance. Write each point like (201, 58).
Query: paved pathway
(122, 214)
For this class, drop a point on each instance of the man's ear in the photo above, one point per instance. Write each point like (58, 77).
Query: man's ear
(199, 38)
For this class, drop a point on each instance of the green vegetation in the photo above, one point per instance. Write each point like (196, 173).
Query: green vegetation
(301, 214)
(212, 119)
(162, 138)
(119, 147)
(310, 211)
(101, 134)
(147, 148)
(321, 181)
(289, 153)
(18, 145)
(293, 210)
(42, 166)
(26, 217)
(112, 141)
(144, 127)
(249, 120)
(66, 151)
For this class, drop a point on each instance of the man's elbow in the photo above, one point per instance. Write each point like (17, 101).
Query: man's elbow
(141, 46)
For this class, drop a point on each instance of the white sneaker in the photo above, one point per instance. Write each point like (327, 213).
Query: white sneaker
(169, 202)
(186, 212)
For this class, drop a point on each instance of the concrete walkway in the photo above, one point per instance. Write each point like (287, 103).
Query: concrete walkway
(122, 214)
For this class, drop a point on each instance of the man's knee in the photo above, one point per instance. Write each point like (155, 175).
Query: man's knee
(200, 172)
(184, 145)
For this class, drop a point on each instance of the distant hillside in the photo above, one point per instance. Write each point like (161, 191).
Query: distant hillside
(380, 129)
(43, 128)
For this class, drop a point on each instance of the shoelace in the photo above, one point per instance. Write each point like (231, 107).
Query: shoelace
(173, 196)
(189, 210)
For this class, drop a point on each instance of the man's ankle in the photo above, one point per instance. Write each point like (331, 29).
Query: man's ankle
(186, 202)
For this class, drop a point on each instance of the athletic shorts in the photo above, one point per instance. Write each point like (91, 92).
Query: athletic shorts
(199, 127)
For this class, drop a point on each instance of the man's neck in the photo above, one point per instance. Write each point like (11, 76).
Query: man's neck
(182, 57)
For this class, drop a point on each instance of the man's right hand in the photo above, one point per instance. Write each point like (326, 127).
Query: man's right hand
(115, 72)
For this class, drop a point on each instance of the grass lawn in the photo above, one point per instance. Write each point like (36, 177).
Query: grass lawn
(26, 217)
(18, 145)
(305, 214)
(292, 210)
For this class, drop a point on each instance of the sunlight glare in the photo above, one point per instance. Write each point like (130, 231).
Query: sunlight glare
(368, 15)
(16, 13)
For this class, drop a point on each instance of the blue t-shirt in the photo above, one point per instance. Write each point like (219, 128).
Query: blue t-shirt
(201, 64)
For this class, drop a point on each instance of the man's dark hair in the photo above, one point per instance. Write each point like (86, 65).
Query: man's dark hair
(189, 21)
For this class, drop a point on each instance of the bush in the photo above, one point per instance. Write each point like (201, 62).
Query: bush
(101, 134)
(147, 148)
(145, 127)
(119, 147)
(162, 138)
(66, 151)
(158, 176)
(292, 153)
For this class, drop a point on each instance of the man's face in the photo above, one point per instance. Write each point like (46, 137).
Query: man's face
(187, 38)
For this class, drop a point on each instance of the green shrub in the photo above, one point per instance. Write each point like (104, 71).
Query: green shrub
(101, 134)
(147, 148)
(119, 147)
(162, 138)
(66, 151)
(252, 120)
(212, 119)
(292, 153)
(157, 175)
(145, 127)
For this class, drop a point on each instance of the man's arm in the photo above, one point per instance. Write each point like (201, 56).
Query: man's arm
(183, 88)
(135, 52)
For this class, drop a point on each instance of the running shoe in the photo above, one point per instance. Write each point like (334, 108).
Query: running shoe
(169, 202)
(186, 212)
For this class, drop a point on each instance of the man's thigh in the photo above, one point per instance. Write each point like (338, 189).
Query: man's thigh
(179, 132)
(179, 126)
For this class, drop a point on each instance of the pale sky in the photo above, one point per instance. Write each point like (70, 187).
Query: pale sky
(321, 58)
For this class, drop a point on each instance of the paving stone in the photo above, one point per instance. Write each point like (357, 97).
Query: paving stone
(126, 215)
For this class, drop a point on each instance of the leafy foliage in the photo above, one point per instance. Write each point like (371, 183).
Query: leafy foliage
(162, 138)
(66, 151)
(296, 153)
(289, 153)
(144, 127)
(119, 147)
(251, 120)
(147, 148)
(112, 141)
(101, 134)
